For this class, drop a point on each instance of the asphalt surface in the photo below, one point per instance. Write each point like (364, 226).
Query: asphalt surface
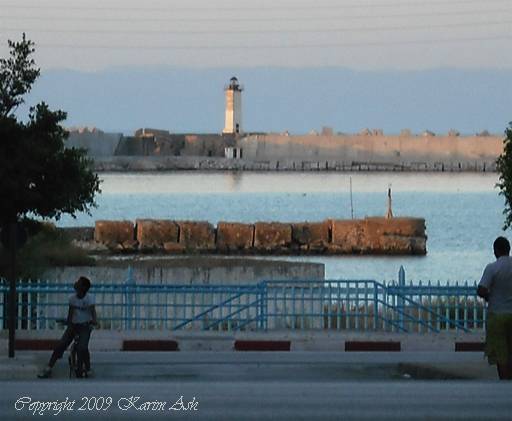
(262, 400)
(260, 386)
(252, 366)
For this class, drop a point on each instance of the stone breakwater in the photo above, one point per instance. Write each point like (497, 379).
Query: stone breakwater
(165, 163)
(373, 235)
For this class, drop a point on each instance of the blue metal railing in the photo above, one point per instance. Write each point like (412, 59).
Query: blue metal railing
(360, 305)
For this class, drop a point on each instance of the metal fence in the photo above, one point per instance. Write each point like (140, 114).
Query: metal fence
(360, 305)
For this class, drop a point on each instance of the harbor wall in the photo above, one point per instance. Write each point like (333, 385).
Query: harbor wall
(194, 270)
(167, 163)
(428, 151)
(372, 235)
(154, 150)
(96, 142)
(168, 310)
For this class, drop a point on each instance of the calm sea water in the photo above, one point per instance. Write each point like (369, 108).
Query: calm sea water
(463, 212)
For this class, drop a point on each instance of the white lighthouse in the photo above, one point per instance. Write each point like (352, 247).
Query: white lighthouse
(233, 123)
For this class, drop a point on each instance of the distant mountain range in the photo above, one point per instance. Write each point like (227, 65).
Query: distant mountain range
(279, 99)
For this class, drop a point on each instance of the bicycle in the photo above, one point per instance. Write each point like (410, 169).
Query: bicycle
(74, 369)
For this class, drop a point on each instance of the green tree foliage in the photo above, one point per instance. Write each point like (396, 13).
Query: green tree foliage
(504, 166)
(39, 176)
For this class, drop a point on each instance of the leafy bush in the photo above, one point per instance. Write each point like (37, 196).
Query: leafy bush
(46, 247)
(504, 167)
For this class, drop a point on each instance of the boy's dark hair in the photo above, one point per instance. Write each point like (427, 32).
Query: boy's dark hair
(501, 246)
(85, 282)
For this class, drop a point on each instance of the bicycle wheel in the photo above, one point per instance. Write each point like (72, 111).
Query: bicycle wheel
(72, 361)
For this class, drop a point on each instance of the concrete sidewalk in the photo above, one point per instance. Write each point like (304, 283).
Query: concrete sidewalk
(299, 340)
(255, 366)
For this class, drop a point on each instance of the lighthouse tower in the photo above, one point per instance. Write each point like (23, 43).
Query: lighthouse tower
(233, 123)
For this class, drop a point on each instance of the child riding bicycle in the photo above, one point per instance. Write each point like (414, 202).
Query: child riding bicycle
(81, 315)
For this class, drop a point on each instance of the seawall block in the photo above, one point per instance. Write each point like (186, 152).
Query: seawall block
(153, 234)
(347, 236)
(378, 236)
(234, 236)
(412, 227)
(312, 236)
(359, 236)
(197, 235)
(114, 233)
(271, 236)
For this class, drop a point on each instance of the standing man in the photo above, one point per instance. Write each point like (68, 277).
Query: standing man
(496, 288)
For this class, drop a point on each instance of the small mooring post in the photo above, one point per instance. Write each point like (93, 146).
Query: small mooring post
(389, 214)
(351, 201)
(401, 301)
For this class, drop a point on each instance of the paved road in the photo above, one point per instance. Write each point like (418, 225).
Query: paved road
(274, 386)
(241, 366)
(271, 400)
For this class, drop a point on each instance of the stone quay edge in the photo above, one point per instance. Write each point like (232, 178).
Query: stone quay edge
(371, 235)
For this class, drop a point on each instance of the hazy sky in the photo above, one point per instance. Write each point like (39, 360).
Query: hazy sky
(358, 34)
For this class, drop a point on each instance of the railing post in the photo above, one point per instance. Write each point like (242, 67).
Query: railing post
(401, 302)
(263, 304)
(375, 306)
(129, 283)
